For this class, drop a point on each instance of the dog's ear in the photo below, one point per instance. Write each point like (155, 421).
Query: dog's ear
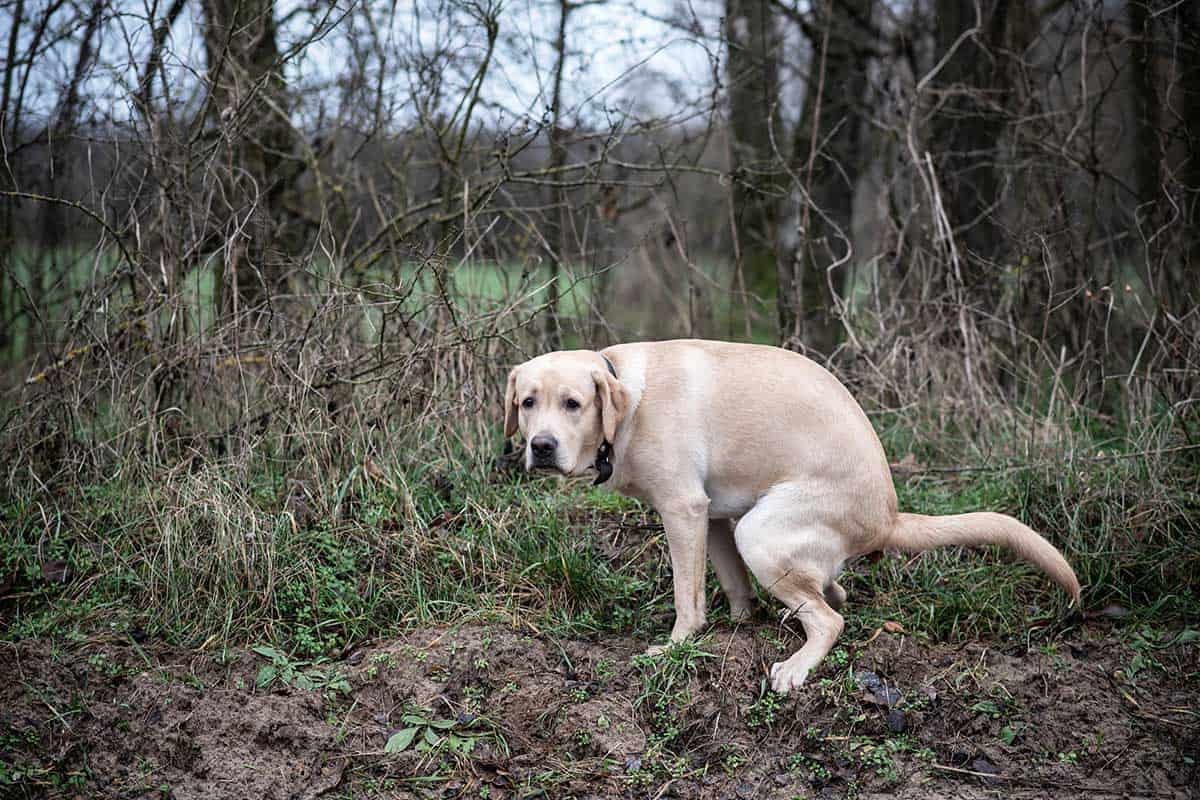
(510, 404)
(613, 402)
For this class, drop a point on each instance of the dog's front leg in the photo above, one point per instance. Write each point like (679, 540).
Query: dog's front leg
(686, 523)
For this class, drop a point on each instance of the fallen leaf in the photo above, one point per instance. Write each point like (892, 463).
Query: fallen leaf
(908, 464)
(55, 571)
(1111, 611)
(399, 741)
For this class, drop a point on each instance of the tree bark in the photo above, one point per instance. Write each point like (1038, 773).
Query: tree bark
(1188, 19)
(52, 224)
(969, 127)
(752, 72)
(558, 157)
(7, 232)
(247, 98)
(827, 157)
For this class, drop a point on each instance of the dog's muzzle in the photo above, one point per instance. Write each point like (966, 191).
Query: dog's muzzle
(543, 451)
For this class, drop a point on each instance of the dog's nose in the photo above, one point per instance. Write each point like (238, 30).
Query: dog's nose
(543, 445)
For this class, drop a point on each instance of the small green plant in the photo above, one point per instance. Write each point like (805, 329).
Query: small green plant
(665, 688)
(812, 765)
(303, 675)
(840, 657)
(733, 761)
(1010, 732)
(425, 733)
(762, 713)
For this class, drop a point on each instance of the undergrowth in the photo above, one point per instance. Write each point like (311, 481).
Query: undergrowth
(215, 555)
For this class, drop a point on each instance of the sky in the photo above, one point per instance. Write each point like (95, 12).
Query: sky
(624, 59)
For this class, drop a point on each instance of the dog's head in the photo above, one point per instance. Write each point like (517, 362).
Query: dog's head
(565, 404)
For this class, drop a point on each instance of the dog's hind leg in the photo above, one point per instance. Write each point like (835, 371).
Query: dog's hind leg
(794, 559)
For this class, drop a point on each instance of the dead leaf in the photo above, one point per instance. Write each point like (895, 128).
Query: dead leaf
(55, 571)
(908, 464)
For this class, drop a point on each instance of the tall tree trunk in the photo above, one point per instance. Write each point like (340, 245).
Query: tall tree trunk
(52, 231)
(558, 157)
(752, 73)
(969, 127)
(1188, 19)
(247, 97)
(7, 230)
(827, 158)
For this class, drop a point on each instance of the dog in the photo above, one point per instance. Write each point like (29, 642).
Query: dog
(755, 457)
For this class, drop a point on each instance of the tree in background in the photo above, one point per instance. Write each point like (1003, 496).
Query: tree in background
(1186, 103)
(827, 159)
(755, 132)
(968, 126)
(248, 102)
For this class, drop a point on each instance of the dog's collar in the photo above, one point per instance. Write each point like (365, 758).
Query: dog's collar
(604, 467)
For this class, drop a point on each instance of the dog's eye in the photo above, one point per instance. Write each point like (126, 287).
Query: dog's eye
(528, 402)
(572, 404)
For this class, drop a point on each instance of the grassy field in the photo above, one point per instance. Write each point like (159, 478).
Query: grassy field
(367, 592)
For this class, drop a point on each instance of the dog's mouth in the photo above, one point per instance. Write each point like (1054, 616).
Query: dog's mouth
(545, 464)
(553, 468)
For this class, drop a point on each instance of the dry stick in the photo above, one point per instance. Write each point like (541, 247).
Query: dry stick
(1040, 781)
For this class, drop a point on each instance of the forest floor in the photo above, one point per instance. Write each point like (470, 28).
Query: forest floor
(484, 638)
(488, 710)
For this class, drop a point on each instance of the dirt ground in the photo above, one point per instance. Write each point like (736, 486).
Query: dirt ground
(494, 712)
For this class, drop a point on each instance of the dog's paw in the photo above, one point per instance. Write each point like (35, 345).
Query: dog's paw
(658, 649)
(786, 676)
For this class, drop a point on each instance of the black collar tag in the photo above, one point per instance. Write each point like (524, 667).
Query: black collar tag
(604, 467)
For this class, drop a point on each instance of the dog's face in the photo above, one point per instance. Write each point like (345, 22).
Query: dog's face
(565, 404)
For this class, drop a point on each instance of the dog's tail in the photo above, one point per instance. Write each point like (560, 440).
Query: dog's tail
(917, 532)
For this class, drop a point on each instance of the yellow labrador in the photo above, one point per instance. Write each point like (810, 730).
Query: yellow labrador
(710, 433)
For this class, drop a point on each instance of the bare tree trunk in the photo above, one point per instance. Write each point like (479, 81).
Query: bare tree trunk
(154, 61)
(969, 126)
(1187, 289)
(753, 75)
(9, 134)
(828, 159)
(247, 97)
(51, 225)
(558, 157)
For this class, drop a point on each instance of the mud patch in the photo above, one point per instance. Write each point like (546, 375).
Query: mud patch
(485, 710)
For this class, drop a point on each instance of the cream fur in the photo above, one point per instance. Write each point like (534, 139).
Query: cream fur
(754, 457)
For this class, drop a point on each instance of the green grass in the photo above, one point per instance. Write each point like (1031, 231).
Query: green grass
(411, 288)
(203, 558)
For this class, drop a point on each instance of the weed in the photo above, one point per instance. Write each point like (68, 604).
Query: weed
(762, 712)
(666, 678)
(428, 734)
(303, 675)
